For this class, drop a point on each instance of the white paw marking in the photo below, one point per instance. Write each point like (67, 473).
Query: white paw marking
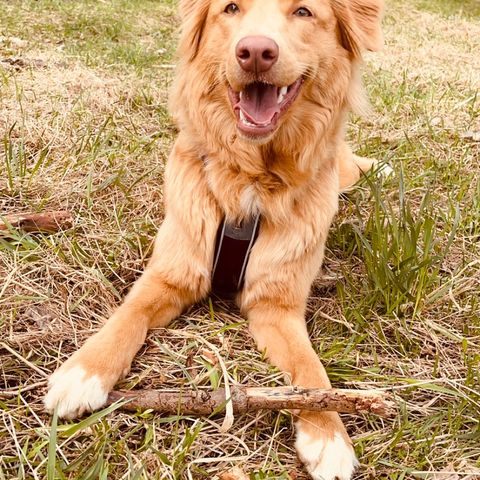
(385, 171)
(324, 458)
(74, 394)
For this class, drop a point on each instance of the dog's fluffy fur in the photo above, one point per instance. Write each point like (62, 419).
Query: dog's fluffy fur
(292, 177)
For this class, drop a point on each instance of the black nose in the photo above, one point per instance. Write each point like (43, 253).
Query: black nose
(257, 53)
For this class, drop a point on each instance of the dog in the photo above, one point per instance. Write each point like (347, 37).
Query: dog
(261, 95)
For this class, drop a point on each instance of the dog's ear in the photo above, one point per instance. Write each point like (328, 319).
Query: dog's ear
(360, 24)
(193, 14)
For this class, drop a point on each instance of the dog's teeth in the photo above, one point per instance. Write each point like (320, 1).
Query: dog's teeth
(244, 120)
(282, 93)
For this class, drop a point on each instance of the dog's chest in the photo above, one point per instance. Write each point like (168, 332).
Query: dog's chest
(241, 195)
(250, 201)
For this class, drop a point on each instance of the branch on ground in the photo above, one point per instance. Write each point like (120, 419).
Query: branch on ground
(248, 399)
(38, 222)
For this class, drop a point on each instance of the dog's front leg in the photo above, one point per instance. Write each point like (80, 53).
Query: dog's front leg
(277, 284)
(177, 275)
(322, 441)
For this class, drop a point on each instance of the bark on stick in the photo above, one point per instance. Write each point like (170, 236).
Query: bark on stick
(248, 399)
(38, 222)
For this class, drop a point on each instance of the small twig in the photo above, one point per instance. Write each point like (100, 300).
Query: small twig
(38, 222)
(24, 360)
(247, 399)
(19, 390)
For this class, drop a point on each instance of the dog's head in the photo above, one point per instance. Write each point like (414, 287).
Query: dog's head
(266, 55)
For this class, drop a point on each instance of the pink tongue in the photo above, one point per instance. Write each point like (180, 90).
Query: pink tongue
(259, 102)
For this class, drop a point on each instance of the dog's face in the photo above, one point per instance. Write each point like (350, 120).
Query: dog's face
(269, 54)
(267, 61)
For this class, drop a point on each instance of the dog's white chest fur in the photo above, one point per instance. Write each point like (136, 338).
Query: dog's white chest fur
(249, 201)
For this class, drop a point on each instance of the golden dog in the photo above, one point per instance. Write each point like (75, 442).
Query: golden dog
(261, 95)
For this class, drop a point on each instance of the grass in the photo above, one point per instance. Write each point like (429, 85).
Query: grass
(467, 8)
(84, 127)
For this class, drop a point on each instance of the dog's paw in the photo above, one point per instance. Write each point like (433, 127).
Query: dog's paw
(73, 392)
(326, 458)
(384, 170)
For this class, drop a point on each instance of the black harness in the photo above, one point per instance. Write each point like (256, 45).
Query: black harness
(232, 251)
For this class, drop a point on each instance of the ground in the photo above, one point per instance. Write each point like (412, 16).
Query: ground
(84, 127)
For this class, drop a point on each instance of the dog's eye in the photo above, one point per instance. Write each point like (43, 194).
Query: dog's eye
(232, 9)
(303, 12)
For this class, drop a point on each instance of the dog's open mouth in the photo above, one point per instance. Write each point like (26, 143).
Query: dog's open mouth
(259, 106)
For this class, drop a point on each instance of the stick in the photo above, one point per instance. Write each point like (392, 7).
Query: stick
(38, 222)
(248, 399)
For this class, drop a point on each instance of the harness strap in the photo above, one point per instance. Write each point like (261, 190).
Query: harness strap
(232, 251)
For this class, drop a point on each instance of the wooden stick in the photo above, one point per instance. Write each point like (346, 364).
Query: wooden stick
(38, 222)
(248, 399)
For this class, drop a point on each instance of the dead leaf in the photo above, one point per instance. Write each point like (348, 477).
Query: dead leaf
(235, 473)
(209, 356)
(191, 366)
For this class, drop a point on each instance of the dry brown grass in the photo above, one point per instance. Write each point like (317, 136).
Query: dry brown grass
(94, 138)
